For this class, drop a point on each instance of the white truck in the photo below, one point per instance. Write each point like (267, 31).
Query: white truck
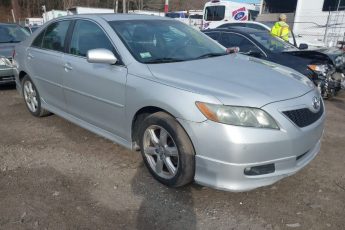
(88, 10)
(218, 12)
(33, 22)
(49, 15)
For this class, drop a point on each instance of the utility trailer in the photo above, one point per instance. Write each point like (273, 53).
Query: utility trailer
(319, 22)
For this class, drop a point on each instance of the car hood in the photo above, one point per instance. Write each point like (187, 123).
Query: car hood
(235, 79)
(6, 49)
(310, 56)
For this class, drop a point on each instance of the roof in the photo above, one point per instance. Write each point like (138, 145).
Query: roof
(117, 17)
(236, 29)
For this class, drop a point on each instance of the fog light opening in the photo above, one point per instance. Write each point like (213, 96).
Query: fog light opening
(259, 170)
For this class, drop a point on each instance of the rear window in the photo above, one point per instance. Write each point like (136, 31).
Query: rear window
(12, 33)
(214, 13)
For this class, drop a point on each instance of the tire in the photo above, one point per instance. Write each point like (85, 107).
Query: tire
(174, 150)
(32, 98)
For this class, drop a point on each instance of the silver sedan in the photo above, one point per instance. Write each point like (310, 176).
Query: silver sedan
(154, 84)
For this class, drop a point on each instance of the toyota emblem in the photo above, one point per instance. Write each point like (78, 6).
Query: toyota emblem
(316, 103)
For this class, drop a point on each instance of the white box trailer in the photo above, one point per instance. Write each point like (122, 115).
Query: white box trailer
(33, 22)
(319, 22)
(218, 12)
(88, 10)
(147, 12)
(49, 15)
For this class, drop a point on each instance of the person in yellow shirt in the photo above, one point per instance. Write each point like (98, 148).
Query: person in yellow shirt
(281, 28)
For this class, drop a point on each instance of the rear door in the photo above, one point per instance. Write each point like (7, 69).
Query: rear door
(95, 92)
(45, 65)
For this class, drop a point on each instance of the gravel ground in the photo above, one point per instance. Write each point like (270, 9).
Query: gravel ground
(55, 175)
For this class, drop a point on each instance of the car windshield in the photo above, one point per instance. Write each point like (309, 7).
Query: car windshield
(274, 44)
(12, 34)
(159, 41)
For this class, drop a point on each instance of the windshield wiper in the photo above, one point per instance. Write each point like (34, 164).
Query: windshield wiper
(211, 55)
(164, 60)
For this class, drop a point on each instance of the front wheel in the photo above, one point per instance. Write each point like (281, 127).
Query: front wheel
(32, 98)
(167, 150)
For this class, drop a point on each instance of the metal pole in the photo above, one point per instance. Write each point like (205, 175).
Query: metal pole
(117, 6)
(326, 30)
(166, 6)
(14, 18)
(124, 6)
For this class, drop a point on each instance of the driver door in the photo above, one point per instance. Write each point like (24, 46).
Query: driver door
(95, 92)
(247, 47)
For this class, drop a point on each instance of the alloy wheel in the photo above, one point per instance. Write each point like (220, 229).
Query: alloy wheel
(161, 151)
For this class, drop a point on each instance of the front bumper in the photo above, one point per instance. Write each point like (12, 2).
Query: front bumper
(6, 75)
(223, 152)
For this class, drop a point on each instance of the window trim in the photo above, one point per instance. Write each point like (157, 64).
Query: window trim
(248, 40)
(70, 35)
(38, 47)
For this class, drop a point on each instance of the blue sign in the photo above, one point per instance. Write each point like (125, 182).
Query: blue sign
(239, 15)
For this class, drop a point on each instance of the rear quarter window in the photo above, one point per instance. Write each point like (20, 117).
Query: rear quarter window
(38, 40)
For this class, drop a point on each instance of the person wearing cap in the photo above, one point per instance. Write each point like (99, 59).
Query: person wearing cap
(281, 28)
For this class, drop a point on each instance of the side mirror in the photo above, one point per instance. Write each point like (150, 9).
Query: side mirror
(303, 46)
(256, 54)
(101, 56)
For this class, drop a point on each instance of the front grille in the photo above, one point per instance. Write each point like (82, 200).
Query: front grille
(304, 117)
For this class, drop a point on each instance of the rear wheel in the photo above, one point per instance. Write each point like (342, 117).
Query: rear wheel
(167, 150)
(32, 98)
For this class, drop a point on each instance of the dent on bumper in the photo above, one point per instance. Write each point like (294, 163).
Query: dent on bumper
(223, 152)
(231, 177)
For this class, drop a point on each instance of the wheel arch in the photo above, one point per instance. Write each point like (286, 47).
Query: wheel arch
(21, 75)
(138, 117)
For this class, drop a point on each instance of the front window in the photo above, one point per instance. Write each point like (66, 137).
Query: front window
(158, 41)
(274, 44)
(12, 34)
(214, 13)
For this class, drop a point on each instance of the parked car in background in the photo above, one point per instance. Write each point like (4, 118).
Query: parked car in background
(315, 65)
(231, 122)
(10, 35)
(177, 14)
(296, 41)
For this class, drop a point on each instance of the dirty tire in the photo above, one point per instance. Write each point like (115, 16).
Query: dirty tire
(38, 111)
(185, 169)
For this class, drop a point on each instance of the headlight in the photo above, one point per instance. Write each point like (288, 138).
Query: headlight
(5, 61)
(236, 115)
(320, 69)
(339, 61)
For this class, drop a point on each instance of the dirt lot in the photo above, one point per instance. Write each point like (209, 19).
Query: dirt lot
(55, 175)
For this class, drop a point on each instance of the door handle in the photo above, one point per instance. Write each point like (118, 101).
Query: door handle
(68, 67)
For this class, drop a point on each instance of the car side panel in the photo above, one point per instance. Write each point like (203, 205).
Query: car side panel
(45, 67)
